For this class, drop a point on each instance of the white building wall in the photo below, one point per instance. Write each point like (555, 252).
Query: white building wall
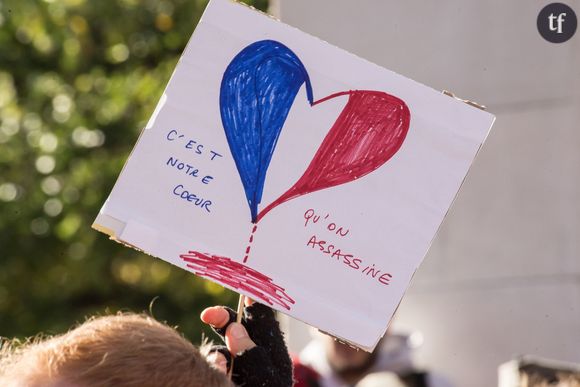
(503, 275)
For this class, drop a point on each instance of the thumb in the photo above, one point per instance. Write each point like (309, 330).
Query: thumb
(237, 339)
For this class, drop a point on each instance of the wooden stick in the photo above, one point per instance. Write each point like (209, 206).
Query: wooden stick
(238, 320)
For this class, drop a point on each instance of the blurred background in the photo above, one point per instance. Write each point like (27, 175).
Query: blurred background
(79, 79)
(502, 277)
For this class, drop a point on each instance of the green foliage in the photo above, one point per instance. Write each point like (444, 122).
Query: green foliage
(78, 81)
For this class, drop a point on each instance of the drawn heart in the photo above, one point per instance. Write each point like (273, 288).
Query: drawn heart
(257, 91)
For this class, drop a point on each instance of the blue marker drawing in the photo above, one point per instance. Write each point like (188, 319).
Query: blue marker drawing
(257, 91)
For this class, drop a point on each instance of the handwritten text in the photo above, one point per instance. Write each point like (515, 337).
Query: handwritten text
(332, 249)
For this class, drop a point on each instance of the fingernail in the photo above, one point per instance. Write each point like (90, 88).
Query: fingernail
(238, 331)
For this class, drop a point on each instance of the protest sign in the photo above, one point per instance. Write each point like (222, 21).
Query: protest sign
(294, 172)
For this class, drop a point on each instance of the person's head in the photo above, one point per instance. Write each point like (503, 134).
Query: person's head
(119, 350)
(343, 358)
(346, 362)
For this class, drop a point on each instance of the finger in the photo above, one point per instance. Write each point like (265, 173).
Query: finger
(223, 351)
(218, 361)
(216, 316)
(237, 339)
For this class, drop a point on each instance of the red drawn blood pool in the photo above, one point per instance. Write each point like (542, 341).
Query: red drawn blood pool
(238, 276)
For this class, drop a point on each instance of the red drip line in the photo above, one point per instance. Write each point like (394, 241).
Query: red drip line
(250, 243)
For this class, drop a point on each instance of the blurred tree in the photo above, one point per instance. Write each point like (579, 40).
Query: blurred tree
(78, 81)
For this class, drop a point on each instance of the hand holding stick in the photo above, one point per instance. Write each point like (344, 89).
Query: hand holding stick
(256, 343)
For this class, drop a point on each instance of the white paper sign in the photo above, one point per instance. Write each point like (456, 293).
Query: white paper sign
(294, 172)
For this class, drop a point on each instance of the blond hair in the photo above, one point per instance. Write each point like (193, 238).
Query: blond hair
(118, 350)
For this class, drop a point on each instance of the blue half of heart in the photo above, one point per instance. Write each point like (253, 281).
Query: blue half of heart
(257, 91)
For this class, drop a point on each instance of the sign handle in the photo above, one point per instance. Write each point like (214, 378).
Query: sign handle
(238, 320)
